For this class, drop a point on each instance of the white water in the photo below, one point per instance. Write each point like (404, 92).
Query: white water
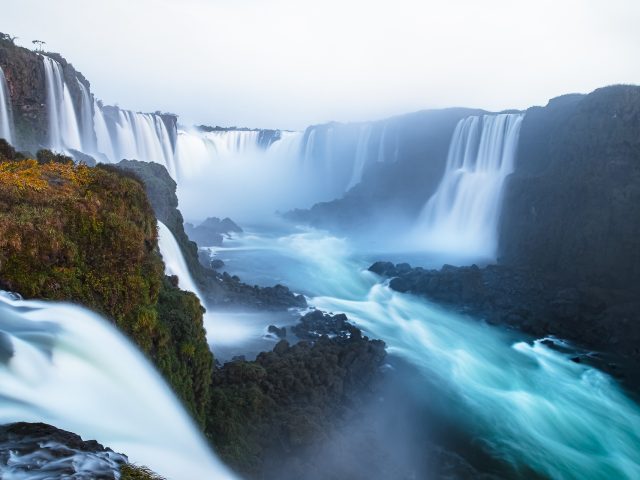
(103, 137)
(64, 132)
(6, 119)
(87, 134)
(174, 260)
(529, 404)
(227, 168)
(462, 214)
(362, 155)
(72, 369)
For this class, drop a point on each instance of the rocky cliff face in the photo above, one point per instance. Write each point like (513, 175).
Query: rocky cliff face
(571, 207)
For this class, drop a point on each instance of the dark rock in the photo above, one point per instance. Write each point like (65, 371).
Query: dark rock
(278, 332)
(571, 207)
(212, 231)
(281, 347)
(217, 264)
(44, 451)
(290, 399)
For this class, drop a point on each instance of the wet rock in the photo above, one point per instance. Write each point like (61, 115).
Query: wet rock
(278, 332)
(40, 451)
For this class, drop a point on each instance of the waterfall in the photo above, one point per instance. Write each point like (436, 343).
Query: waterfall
(132, 135)
(174, 261)
(6, 119)
(381, 144)
(64, 365)
(64, 132)
(87, 134)
(103, 137)
(462, 215)
(361, 157)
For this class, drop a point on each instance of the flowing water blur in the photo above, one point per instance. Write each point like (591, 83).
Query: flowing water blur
(528, 404)
(64, 365)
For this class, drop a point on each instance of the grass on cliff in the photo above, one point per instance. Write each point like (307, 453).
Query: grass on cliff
(134, 472)
(88, 235)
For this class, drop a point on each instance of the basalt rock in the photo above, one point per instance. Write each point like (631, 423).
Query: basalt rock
(571, 207)
(39, 452)
(212, 231)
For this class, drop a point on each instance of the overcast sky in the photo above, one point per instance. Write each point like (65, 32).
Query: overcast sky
(290, 63)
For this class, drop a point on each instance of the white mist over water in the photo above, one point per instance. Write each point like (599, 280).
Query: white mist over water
(528, 404)
(6, 119)
(462, 215)
(68, 367)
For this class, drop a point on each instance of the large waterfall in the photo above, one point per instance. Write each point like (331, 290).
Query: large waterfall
(462, 215)
(107, 133)
(6, 119)
(64, 365)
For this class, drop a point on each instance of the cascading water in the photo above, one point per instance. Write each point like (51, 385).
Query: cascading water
(362, 156)
(87, 134)
(297, 169)
(134, 136)
(529, 404)
(462, 214)
(6, 119)
(64, 132)
(103, 137)
(174, 261)
(66, 366)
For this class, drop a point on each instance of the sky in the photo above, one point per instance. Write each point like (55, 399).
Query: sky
(292, 63)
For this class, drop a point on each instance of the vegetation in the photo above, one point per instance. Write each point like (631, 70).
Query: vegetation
(89, 235)
(134, 472)
(286, 400)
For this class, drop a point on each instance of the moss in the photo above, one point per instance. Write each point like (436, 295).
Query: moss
(134, 472)
(88, 235)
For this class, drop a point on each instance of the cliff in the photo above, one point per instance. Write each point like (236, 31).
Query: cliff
(89, 235)
(571, 206)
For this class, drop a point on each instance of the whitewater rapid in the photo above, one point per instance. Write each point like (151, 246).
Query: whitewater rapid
(530, 405)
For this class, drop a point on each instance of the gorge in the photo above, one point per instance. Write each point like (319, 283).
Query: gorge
(303, 345)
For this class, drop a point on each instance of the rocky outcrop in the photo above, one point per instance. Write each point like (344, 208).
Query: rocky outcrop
(288, 399)
(40, 452)
(212, 231)
(571, 207)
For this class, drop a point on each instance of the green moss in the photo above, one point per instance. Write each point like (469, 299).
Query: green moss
(134, 472)
(89, 235)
